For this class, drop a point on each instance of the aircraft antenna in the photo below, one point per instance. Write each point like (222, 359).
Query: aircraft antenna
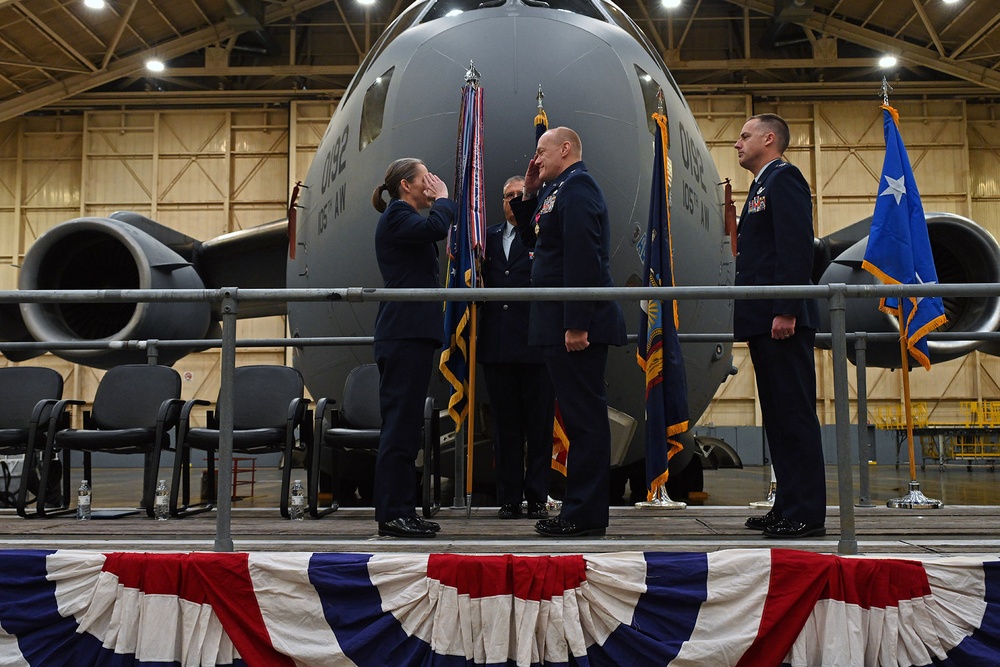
(472, 75)
(886, 89)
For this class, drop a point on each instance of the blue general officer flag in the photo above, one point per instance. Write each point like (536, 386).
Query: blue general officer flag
(899, 250)
(465, 245)
(659, 351)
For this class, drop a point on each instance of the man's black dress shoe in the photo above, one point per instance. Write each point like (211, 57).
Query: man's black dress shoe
(404, 526)
(537, 511)
(786, 528)
(509, 511)
(558, 527)
(762, 522)
(433, 525)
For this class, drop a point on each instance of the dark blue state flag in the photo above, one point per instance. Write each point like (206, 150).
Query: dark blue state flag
(541, 123)
(659, 351)
(465, 247)
(899, 249)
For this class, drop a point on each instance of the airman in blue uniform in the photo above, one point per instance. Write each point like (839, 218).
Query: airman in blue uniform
(564, 218)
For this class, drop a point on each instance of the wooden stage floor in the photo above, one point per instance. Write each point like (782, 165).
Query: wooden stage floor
(967, 524)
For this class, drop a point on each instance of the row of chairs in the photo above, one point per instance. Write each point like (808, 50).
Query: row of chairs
(137, 407)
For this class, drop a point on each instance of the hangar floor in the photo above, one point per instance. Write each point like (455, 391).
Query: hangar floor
(965, 525)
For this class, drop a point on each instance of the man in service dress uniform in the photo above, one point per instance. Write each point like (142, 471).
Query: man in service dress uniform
(775, 248)
(564, 217)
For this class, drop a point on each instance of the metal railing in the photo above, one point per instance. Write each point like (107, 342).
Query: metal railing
(229, 299)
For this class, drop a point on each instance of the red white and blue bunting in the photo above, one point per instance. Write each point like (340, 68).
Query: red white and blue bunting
(730, 608)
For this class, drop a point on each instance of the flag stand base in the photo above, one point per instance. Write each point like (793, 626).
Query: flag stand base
(768, 502)
(914, 500)
(661, 501)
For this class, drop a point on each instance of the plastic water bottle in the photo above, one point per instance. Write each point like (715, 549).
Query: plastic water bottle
(161, 502)
(83, 501)
(297, 504)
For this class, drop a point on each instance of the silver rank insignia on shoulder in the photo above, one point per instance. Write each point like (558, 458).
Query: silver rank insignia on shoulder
(549, 202)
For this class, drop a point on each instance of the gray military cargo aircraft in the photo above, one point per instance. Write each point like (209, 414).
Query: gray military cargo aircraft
(600, 76)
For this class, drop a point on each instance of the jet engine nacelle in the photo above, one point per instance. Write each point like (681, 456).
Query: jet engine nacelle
(963, 251)
(105, 253)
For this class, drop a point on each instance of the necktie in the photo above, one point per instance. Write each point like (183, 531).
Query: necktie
(508, 238)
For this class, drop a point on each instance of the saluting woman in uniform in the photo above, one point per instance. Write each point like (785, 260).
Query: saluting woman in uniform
(407, 333)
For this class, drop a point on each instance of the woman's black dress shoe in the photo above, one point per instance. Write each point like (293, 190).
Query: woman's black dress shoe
(404, 526)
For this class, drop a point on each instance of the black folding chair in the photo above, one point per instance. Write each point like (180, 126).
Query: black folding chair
(134, 409)
(356, 426)
(27, 394)
(268, 407)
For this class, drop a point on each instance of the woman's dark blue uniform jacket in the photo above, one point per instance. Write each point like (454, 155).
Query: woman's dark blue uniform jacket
(407, 254)
(572, 249)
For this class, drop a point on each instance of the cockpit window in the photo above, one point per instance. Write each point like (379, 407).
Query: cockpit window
(395, 29)
(581, 7)
(649, 88)
(443, 8)
(373, 109)
(453, 7)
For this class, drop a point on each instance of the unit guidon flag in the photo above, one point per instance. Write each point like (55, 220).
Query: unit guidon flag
(725, 609)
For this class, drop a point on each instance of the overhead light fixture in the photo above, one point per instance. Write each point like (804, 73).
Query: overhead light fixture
(671, 4)
(950, 2)
(94, 4)
(887, 61)
(366, 2)
(154, 64)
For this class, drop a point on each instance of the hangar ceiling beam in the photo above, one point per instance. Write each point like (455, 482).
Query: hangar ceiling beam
(987, 28)
(983, 76)
(738, 64)
(119, 31)
(929, 26)
(136, 62)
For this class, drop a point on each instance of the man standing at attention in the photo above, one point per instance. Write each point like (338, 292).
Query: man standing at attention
(521, 400)
(564, 217)
(775, 248)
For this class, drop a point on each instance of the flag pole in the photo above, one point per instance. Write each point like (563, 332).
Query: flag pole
(470, 431)
(914, 499)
